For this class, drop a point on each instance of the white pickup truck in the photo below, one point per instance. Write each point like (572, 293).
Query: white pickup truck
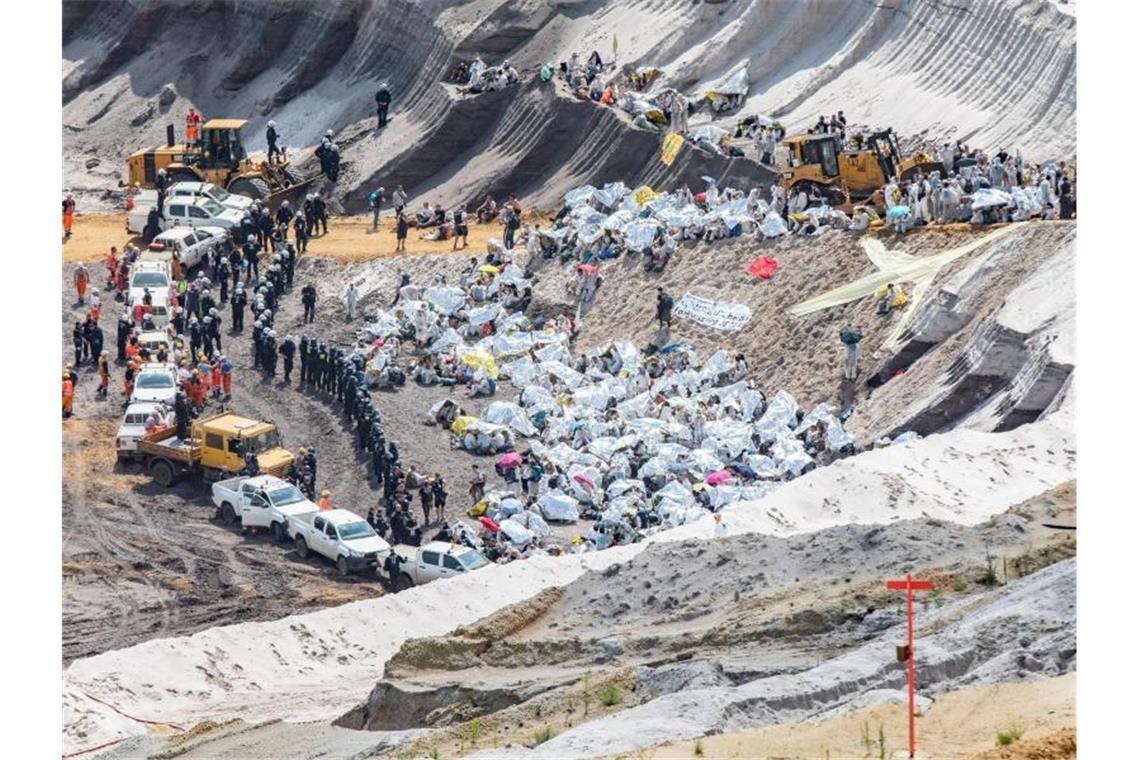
(342, 536)
(191, 244)
(185, 212)
(435, 560)
(263, 501)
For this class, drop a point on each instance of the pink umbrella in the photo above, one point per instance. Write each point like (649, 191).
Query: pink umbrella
(586, 482)
(510, 459)
(718, 477)
(489, 524)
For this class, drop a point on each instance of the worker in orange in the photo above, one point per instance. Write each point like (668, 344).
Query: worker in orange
(68, 215)
(111, 261)
(132, 349)
(192, 121)
(197, 390)
(227, 377)
(324, 504)
(81, 279)
(68, 394)
(132, 191)
(133, 365)
(216, 375)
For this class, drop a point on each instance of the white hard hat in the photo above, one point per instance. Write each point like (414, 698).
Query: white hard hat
(272, 123)
(250, 239)
(285, 204)
(328, 133)
(334, 148)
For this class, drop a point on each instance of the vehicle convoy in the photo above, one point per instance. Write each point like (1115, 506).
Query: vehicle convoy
(134, 427)
(819, 165)
(218, 157)
(190, 243)
(216, 446)
(342, 536)
(261, 501)
(437, 559)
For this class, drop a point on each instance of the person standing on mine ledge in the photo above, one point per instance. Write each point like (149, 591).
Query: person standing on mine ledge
(383, 98)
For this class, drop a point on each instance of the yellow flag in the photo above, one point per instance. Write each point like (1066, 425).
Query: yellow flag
(670, 146)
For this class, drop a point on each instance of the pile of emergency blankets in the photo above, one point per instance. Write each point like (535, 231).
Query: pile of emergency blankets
(596, 224)
(632, 442)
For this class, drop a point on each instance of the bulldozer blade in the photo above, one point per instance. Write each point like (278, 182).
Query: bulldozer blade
(293, 193)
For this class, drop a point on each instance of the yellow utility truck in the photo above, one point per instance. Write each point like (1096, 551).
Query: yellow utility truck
(215, 448)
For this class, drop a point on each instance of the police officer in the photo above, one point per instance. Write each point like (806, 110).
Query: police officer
(269, 346)
(251, 249)
(290, 263)
(206, 302)
(181, 414)
(224, 277)
(123, 332)
(301, 232)
(287, 350)
(304, 352)
(195, 330)
(214, 336)
(321, 212)
(237, 308)
(257, 333)
(309, 301)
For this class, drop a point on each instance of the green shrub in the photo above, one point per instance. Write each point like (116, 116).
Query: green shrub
(544, 734)
(610, 696)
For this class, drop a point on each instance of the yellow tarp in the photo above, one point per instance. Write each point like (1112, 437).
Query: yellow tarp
(479, 509)
(670, 147)
(898, 301)
(484, 360)
(459, 426)
(643, 195)
(895, 266)
(489, 268)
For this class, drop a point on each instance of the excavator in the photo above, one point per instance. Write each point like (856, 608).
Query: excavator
(821, 165)
(219, 157)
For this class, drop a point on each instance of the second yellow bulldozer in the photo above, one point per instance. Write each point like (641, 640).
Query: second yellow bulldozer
(822, 166)
(219, 157)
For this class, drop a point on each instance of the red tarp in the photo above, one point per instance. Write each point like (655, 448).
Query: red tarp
(763, 267)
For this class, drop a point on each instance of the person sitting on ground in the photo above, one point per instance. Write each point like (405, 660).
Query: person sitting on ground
(424, 216)
(488, 210)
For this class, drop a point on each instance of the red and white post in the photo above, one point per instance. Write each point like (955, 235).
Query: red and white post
(910, 586)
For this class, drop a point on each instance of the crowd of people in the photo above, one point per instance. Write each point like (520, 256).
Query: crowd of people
(475, 76)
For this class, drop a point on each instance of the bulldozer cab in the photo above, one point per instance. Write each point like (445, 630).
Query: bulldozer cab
(819, 151)
(885, 147)
(221, 144)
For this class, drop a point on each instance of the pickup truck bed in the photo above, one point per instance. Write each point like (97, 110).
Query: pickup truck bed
(162, 443)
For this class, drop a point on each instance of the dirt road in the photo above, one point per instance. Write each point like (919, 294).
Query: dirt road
(350, 239)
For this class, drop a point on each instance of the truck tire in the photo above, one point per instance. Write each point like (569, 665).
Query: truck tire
(250, 187)
(342, 566)
(279, 534)
(403, 582)
(301, 547)
(229, 517)
(162, 472)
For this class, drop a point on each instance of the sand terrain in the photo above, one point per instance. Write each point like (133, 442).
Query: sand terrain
(185, 638)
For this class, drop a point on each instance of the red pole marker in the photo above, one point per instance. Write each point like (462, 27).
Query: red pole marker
(910, 586)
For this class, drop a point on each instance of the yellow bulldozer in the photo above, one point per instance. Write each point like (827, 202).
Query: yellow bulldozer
(823, 167)
(219, 157)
